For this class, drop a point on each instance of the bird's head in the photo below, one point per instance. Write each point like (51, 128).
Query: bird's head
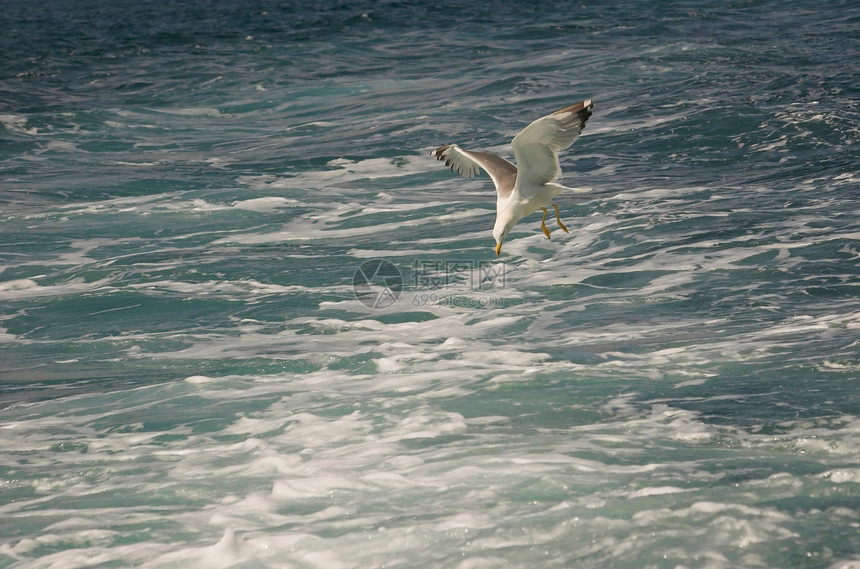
(504, 222)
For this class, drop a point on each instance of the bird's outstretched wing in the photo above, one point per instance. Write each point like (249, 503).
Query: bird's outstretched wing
(468, 163)
(536, 146)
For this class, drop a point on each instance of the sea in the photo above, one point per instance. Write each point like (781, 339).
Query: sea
(248, 321)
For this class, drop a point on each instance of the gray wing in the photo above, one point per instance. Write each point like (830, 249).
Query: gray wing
(468, 163)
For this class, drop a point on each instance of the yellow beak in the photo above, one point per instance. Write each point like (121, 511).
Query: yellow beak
(498, 247)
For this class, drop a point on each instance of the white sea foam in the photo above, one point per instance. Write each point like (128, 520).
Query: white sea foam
(28, 288)
(337, 465)
(265, 205)
(246, 288)
(843, 475)
(17, 124)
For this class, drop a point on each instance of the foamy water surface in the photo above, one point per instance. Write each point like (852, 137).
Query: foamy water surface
(188, 377)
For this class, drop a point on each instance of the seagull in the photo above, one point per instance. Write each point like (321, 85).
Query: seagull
(522, 191)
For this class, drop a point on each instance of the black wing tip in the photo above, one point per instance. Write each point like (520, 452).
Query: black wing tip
(439, 153)
(581, 109)
(585, 113)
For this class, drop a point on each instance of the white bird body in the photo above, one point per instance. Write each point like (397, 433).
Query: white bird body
(530, 185)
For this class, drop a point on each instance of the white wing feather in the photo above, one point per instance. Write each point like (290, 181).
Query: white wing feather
(536, 146)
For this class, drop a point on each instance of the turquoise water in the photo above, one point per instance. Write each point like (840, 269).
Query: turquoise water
(190, 376)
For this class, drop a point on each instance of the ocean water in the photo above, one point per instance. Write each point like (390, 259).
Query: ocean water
(247, 321)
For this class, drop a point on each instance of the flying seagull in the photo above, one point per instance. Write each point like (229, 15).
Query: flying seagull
(522, 191)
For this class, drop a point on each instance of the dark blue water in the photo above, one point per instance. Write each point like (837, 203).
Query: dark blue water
(190, 377)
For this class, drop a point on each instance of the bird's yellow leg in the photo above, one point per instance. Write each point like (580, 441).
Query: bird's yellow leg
(543, 223)
(558, 219)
